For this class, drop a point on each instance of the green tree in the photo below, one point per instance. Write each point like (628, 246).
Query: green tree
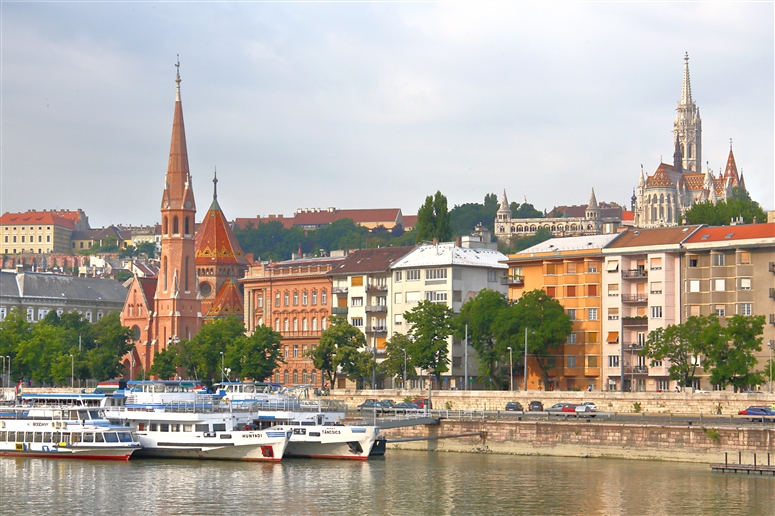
(464, 218)
(547, 322)
(431, 327)
(201, 355)
(518, 244)
(255, 356)
(14, 329)
(433, 220)
(738, 204)
(682, 345)
(481, 314)
(525, 211)
(393, 364)
(730, 357)
(115, 341)
(339, 345)
(165, 363)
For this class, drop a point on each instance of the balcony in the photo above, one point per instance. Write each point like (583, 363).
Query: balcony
(376, 288)
(636, 370)
(376, 309)
(339, 310)
(635, 322)
(635, 274)
(340, 291)
(512, 280)
(300, 334)
(772, 293)
(633, 346)
(635, 298)
(376, 329)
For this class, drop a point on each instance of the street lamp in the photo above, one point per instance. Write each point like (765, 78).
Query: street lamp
(221, 365)
(132, 367)
(9, 369)
(143, 366)
(525, 373)
(770, 344)
(72, 370)
(404, 350)
(511, 371)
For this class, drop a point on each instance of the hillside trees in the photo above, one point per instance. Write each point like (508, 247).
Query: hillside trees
(738, 204)
(433, 220)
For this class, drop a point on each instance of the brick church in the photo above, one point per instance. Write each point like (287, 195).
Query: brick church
(199, 268)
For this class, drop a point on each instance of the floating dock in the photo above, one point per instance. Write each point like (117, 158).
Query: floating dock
(749, 469)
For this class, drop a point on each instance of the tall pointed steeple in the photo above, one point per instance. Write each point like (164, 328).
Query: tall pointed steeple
(504, 211)
(687, 127)
(730, 173)
(176, 300)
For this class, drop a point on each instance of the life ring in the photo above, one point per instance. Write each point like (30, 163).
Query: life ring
(226, 400)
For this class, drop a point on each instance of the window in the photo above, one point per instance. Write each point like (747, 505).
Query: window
(295, 324)
(412, 297)
(436, 274)
(613, 314)
(572, 338)
(572, 313)
(259, 300)
(399, 320)
(357, 321)
(491, 276)
(397, 277)
(356, 281)
(592, 290)
(613, 289)
(745, 283)
(551, 291)
(656, 264)
(656, 287)
(571, 290)
(314, 297)
(656, 363)
(398, 297)
(357, 301)
(693, 260)
(695, 360)
(656, 312)
(314, 324)
(295, 299)
(295, 351)
(570, 268)
(553, 268)
(592, 337)
(323, 323)
(412, 275)
(745, 257)
(718, 260)
(285, 352)
(613, 360)
(746, 309)
(571, 361)
(436, 296)
(277, 299)
(694, 285)
(592, 267)
(719, 284)
(721, 310)
(591, 361)
(304, 298)
(323, 297)
(457, 295)
(286, 325)
(612, 266)
(592, 314)
(286, 298)
(694, 310)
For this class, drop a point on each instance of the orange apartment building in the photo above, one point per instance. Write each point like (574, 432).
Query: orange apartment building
(294, 298)
(570, 270)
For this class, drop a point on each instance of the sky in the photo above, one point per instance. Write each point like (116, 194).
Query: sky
(372, 105)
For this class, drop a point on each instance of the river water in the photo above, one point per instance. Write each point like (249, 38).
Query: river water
(404, 482)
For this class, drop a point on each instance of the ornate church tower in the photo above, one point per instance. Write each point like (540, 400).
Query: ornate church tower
(176, 302)
(687, 128)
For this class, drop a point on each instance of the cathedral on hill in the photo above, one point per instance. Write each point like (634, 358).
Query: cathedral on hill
(662, 199)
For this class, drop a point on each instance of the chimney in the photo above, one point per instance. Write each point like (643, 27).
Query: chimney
(435, 241)
(458, 241)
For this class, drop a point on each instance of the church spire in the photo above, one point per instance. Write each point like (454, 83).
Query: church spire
(215, 205)
(177, 80)
(686, 91)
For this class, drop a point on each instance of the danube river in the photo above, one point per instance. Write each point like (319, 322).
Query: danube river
(404, 482)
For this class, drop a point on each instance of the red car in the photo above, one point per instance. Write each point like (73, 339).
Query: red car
(422, 402)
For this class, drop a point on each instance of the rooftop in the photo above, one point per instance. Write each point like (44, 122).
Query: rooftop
(447, 253)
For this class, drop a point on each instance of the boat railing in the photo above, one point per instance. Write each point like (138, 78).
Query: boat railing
(201, 405)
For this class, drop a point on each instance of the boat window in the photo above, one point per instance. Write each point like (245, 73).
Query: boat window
(111, 437)
(187, 428)
(29, 437)
(125, 437)
(94, 414)
(38, 437)
(2, 435)
(46, 437)
(83, 414)
(165, 427)
(307, 423)
(202, 428)
(77, 437)
(11, 437)
(175, 428)
(88, 437)
(65, 438)
(219, 427)
(98, 438)
(141, 426)
(74, 414)
(153, 427)
(250, 389)
(56, 437)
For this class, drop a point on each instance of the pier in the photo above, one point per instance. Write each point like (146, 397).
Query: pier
(755, 468)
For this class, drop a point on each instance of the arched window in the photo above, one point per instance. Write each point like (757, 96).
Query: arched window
(175, 228)
(314, 324)
(164, 274)
(668, 198)
(277, 324)
(304, 376)
(186, 226)
(295, 376)
(166, 226)
(313, 377)
(323, 323)
(295, 324)
(285, 376)
(185, 276)
(304, 324)
(286, 324)
(691, 150)
(661, 198)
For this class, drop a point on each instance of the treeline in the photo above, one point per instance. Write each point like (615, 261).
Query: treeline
(49, 351)
(272, 241)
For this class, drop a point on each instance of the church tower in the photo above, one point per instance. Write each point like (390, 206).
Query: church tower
(176, 302)
(687, 128)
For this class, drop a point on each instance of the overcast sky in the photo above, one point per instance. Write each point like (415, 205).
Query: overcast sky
(359, 105)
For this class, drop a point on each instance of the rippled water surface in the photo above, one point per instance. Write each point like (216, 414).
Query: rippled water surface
(404, 482)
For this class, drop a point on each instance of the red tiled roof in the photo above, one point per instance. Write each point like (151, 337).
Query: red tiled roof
(628, 215)
(287, 222)
(694, 181)
(661, 177)
(37, 217)
(323, 261)
(148, 286)
(742, 232)
(227, 302)
(731, 170)
(325, 217)
(371, 260)
(215, 241)
(410, 221)
(656, 236)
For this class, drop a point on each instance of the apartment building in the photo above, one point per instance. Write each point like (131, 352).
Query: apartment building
(641, 286)
(570, 270)
(294, 298)
(730, 270)
(36, 232)
(450, 274)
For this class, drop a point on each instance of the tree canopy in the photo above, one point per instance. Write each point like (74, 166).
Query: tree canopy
(341, 347)
(486, 317)
(738, 204)
(431, 326)
(433, 220)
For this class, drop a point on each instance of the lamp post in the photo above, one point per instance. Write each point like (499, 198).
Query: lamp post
(221, 365)
(2, 378)
(72, 370)
(404, 350)
(9, 369)
(143, 366)
(525, 373)
(132, 367)
(511, 371)
(770, 344)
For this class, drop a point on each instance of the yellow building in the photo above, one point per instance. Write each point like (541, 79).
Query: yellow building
(36, 232)
(568, 269)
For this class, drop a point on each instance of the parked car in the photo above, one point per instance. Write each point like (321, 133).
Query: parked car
(422, 402)
(535, 406)
(560, 408)
(587, 408)
(590, 404)
(370, 406)
(404, 407)
(514, 405)
(760, 411)
(386, 404)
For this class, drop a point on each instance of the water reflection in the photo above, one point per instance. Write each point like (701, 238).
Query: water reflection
(402, 483)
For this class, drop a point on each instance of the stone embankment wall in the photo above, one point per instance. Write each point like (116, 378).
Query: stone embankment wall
(585, 439)
(650, 402)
